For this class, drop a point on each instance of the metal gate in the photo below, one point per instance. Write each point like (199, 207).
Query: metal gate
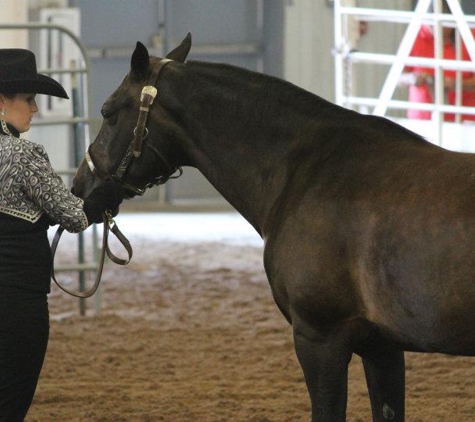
(347, 57)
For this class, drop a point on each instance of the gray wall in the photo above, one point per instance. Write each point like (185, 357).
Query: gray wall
(468, 7)
(211, 22)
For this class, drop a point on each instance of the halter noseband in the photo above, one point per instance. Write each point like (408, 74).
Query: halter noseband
(149, 92)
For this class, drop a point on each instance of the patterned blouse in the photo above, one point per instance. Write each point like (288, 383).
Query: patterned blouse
(29, 187)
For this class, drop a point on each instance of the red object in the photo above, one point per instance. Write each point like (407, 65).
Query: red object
(424, 47)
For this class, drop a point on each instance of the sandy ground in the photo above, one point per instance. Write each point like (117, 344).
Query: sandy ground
(188, 331)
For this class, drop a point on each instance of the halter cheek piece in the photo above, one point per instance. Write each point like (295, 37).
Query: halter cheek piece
(149, 92)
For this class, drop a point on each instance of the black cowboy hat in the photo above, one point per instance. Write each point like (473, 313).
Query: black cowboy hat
(18, 74)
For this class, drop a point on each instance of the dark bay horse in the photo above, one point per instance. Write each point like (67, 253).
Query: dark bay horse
(369, 229)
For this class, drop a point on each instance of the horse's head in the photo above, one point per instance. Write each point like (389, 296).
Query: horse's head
(133, 121)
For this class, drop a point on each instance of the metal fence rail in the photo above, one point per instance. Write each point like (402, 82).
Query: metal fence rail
(346, 56)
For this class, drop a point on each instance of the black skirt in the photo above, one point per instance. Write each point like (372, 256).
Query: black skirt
(25, 253)
(24, 332)
(25, 274)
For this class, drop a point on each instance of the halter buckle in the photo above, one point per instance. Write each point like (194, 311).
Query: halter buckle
(110, 218)
(148, 90)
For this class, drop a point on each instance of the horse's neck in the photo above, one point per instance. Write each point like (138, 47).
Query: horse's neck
(249, 180)
(241, 138)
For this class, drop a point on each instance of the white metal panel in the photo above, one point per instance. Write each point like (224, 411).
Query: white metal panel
(308, 44)
(13, 12)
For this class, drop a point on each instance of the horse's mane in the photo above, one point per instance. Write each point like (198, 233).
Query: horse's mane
(267, 85)
(275, 93)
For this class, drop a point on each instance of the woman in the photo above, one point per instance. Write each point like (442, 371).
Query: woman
(32, 197)
(421, 78)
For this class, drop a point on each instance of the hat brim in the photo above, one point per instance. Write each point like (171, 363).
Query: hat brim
(42, 85)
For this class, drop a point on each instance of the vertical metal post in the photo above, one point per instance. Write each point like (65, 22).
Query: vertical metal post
(458, 76)
(165, 190)
(167, 26)
(161, 27)
(437, 115)
(78, 153)
(462, 31)
(338, 53)
(350, 44)
(260, 34)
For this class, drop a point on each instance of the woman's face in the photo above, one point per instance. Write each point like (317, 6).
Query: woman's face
(19, 110)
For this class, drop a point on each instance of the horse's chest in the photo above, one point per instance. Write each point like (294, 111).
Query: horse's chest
(314, 282)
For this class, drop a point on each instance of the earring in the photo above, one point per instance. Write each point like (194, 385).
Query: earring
(4, 123)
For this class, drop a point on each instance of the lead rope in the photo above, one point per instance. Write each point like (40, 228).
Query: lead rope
(109, 225)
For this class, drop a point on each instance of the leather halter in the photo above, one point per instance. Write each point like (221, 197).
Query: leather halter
(148, 95)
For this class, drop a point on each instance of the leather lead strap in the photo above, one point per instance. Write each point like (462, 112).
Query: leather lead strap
(109, 225)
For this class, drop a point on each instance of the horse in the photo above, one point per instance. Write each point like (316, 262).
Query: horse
(368, 228)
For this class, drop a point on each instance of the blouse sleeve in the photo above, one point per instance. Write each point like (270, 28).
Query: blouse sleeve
(47, 190)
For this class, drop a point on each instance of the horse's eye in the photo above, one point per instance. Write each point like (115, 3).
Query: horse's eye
(109, 116)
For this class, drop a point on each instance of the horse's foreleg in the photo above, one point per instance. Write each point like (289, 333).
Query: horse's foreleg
(384, 371)
(325, 365)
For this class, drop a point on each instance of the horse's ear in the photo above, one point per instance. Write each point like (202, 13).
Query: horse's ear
(140, 61)
(179, 54)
